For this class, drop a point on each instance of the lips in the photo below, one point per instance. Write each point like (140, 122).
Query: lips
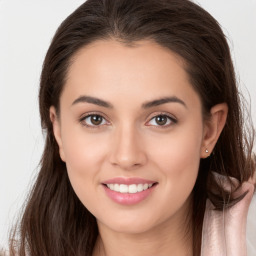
(128, 191)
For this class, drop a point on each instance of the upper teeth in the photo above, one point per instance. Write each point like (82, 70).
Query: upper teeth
(133, 188)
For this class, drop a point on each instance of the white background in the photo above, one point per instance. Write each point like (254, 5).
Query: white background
(26, 29)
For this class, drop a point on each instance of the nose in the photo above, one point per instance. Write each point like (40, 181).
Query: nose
(127, 151)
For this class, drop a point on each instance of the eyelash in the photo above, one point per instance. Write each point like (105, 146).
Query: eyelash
(171, 119)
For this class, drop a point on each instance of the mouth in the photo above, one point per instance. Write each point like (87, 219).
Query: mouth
(129, 189)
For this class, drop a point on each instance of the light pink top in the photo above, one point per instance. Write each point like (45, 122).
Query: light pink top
(224, 232)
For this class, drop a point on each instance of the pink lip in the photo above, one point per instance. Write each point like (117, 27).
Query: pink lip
(127, 198)
(128, 181)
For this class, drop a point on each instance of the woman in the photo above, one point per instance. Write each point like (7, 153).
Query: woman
(144, 135)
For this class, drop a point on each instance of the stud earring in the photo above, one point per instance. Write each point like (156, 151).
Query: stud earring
(206, 151)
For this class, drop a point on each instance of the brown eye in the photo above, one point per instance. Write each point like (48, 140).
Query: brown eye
(161, 120)
(93, 120)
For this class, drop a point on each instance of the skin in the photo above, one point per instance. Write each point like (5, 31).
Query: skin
(129, 142)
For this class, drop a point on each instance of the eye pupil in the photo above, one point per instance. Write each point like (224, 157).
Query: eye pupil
(96, 120)
(161, 120)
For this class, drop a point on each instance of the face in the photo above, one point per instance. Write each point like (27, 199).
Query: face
(131, 133)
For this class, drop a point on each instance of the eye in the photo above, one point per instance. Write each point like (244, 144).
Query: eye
(93, 120)
(162, 120)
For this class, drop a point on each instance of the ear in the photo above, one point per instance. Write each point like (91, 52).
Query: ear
(57, 131)
(213, 128)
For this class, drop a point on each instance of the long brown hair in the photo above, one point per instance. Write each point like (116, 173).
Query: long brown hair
(54, 221)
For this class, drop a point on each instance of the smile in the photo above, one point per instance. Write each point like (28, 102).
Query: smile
(131, 189)
(128, 191)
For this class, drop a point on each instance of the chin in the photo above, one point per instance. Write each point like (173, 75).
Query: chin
(132, 228)
(130, 225)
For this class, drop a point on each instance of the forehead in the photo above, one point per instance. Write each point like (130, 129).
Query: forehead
(146, 56)
(147, 70)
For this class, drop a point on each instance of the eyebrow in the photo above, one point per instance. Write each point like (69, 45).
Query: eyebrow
(172, 99)
(92, 100)
(146, 105)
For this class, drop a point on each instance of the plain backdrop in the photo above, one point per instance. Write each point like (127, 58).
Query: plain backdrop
(26, 29)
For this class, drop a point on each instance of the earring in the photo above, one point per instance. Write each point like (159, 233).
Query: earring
(206, 151)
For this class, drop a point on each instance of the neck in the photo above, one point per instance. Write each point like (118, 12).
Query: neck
(172, 237)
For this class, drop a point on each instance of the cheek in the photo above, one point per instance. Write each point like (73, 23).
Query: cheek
(178, 159)
(82, 149)
(83, 167)
(180, 150)
(84, 155)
